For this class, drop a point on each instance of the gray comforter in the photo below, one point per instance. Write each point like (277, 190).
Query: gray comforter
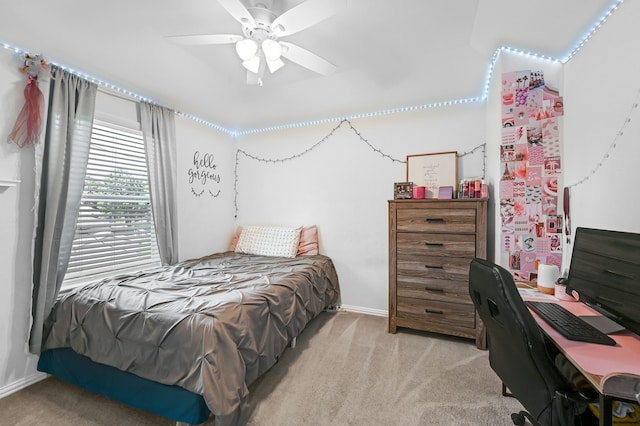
(211, 325)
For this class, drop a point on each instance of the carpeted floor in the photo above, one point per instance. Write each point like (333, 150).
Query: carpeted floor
(345, 370)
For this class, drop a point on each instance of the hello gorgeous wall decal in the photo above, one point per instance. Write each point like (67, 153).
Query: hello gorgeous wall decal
(203, 175)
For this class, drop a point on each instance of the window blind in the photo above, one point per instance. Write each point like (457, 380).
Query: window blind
(115, 231)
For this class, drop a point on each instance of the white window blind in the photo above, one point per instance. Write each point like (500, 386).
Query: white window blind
(115, 231)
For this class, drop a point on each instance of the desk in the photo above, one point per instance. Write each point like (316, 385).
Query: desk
(613, 371)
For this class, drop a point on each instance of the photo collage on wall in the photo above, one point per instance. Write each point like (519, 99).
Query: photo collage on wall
(531, 168)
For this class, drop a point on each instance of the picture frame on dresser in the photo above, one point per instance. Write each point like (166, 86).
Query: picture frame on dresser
(402, 190)
(433, 171)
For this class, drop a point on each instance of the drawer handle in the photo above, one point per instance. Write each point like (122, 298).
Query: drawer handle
(435, 219)
(433, 311)
(434, 245)
(434, 267)
(435, 289)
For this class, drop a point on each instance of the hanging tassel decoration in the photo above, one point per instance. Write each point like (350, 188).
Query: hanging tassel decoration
(28, 125)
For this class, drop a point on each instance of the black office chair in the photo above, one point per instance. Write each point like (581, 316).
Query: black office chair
(518, 352)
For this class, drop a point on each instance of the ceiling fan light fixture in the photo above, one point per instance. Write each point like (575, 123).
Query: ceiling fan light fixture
(274, 65)
(272, 49)
(252, 64)
(246, 49)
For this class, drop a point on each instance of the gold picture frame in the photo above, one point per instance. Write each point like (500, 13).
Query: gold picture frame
(433, 171)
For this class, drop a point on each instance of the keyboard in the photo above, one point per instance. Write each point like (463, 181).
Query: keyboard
(569, 325)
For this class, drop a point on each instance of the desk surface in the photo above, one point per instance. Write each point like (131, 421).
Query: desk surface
(613, 370)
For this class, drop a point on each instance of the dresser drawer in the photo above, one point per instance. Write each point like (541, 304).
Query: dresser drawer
(436, 313)
(436, 267)
(429, 288)
(436, 220)
(456, 245)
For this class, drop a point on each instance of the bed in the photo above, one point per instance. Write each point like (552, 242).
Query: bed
(187, 340)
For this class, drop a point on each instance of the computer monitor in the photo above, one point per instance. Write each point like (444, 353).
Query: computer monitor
(605, 274)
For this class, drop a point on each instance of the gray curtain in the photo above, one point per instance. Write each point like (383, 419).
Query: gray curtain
(61, 163)
(158, 128)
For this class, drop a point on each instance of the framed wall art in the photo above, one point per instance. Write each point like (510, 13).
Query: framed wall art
(433, 171)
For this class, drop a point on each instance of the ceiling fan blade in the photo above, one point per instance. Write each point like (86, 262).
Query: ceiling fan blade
(305, 15)
(238, 11)
(307, 59)
(205, 39)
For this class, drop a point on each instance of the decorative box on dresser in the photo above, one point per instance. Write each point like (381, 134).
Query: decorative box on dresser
(431, 244)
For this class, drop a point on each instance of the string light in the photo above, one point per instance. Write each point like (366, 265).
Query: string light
(280, 160)
(494, 61)
(612, 146)
(368, 144)
(482, 98)
(88, 77)
(592, 31)
(323, 140)
(204, 122)
(482, 146)
(379, 113)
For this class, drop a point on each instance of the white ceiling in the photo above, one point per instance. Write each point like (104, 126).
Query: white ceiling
(388, 53)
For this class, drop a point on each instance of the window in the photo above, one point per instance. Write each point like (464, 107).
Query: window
(115, 231)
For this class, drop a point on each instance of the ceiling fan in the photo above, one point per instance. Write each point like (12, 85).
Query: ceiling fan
(260, 46)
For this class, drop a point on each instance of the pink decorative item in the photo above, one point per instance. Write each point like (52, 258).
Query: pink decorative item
(445, 192)
(560, 292)
(28, 125)
(419, 192)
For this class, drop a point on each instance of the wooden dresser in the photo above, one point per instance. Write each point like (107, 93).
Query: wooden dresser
(431, 244)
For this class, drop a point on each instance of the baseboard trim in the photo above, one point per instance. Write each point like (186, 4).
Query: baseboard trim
(359, 309)
(22, 383)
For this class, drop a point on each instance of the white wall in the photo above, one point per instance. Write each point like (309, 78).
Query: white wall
(206, 222)
(600, 87)
(16, 230)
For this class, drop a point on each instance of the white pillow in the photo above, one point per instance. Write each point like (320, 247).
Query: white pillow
(269, 240)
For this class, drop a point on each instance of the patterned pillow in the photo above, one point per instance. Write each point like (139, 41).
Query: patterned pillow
(269, 240)
(308, 245)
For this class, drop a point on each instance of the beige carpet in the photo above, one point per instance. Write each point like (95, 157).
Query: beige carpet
(345, 370)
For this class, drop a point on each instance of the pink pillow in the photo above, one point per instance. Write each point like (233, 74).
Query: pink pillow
(308, 245)
(235, 238)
